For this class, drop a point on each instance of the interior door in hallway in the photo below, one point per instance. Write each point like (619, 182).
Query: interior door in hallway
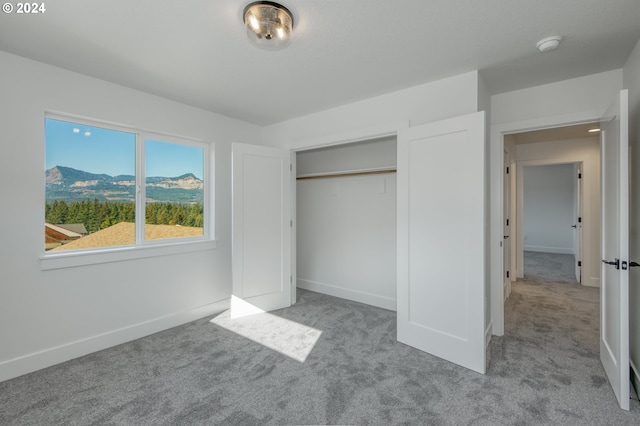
(614, 292)
(577, 249)
(261, 240)
(506, 242)
(441, 245)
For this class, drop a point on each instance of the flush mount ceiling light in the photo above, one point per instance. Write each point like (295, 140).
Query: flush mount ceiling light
(268, 24)
(549, 43)
(596, 130)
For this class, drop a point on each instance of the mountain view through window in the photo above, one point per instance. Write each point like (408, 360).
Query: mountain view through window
(93, 185)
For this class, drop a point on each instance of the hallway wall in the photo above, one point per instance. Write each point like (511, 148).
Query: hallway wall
(548, 208)
(583, 150)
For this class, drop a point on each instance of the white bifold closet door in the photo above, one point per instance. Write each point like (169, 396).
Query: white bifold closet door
(261, 228)
(441, 241)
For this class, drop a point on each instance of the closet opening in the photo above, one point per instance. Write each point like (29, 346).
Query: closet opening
(346, 221)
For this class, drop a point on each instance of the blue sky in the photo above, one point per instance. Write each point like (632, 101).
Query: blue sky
(170, 159)
(97, 150)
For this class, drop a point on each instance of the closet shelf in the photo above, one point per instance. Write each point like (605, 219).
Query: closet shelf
(359, 172)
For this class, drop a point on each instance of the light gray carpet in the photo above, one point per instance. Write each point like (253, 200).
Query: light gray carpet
(549, 266)
(545, 370)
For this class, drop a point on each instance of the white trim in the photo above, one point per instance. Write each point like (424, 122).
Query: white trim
(488, 333)
(90, 121)
(141, 191)
(35, 361)
(294, 220)
(349, 294)
(358, 135)
(141, 137)
(117, 254)
(542, 249)
(590, 281)
(635, 377)
(353, 136)
(496, 161)
(586, 201)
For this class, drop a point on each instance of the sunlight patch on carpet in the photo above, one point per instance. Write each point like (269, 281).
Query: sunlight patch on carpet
(287, 337)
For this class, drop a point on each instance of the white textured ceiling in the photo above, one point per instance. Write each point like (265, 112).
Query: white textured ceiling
(197, 52)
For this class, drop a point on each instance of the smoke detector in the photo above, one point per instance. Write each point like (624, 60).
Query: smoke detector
(549, 43)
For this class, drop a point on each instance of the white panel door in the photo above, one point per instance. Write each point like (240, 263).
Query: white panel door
(578, 225)
(261, 241)
(614, 291)
(441, 280)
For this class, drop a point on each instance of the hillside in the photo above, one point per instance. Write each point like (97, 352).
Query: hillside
(69, 184)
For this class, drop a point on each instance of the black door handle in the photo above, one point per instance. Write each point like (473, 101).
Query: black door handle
(574, 226)
(634, 264)
(506, 236)
(615, 263)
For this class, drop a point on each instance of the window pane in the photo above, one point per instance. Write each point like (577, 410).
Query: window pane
(89, 186)
(174, 190)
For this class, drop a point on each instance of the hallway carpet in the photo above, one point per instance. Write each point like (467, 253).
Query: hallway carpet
(549, 267)
(545, 370)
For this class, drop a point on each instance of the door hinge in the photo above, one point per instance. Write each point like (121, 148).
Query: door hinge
(579, 263)
(579, 175)
(291, 223)
(579, 220)
(507, 222)
(507, 170)
(507, 274)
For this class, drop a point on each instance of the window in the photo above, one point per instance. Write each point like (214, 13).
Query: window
(173, 205)
(107, 186)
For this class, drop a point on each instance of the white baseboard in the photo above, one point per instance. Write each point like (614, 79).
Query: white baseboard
(349, 294)
(488, 332)
(543, 249)
(591, 282)
(35, 361)
(635, 378)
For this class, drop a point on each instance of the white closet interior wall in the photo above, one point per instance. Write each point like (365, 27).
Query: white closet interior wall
(346, 224)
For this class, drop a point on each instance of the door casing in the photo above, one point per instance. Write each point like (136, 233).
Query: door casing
(496, 161)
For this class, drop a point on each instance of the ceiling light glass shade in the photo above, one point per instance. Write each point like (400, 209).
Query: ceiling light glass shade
(268, 24)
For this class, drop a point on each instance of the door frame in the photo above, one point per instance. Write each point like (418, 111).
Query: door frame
(519, 222)
(496, 164)
(360, 135)
(507, 245)
(578, 239)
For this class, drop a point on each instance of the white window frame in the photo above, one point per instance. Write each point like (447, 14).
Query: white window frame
(142, 248)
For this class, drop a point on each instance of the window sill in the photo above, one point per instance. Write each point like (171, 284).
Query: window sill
(119, 254)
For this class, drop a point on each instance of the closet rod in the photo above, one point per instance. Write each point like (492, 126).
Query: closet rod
(343, 174)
